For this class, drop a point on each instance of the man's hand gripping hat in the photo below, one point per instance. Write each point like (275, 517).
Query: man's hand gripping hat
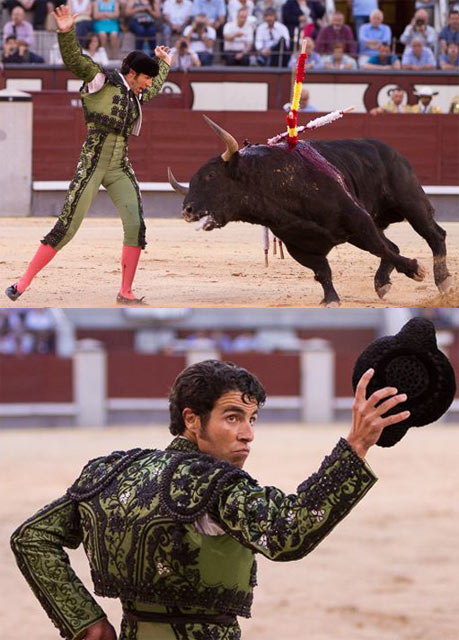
(411, 362)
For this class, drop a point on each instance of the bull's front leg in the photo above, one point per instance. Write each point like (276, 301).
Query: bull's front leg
(322, 273)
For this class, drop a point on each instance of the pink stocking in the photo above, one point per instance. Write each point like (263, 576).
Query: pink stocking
(129, 260)
(45, 254)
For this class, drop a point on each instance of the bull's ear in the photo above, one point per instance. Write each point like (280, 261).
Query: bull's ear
(231, 143)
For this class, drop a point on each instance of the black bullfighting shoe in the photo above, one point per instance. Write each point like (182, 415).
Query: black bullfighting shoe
(130, 301)
(12, 293)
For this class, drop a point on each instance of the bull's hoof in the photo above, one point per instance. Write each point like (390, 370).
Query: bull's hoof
(446, 287)
(383, 290)
(330, 303)
(420, 273)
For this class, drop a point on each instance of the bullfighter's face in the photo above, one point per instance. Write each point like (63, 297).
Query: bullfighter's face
(229, 430)
(211, 197)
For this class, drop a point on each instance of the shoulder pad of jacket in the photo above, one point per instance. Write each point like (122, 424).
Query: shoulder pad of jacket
(99, 472)
(191, 484)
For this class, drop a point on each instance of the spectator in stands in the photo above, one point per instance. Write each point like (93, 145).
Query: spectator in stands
(418, 28)
(395, 104)
(201, 36)
(272, 41)
(429, 6)
(425, 95)
(235, 5)
(143, 22)
(23, 55)
(450, 61)
(10, 46)
(450, 33)
(361, 11)
(371, 35)
(314, 61)
(418, 57)
(295, 15)
(383, 60)
(176, 15)
(83, 23)
(38, 7)
(19, 27)
(262, 5)
(238, 40)
(106, 23)
(41, 324)
(95, 51)
(339, 60)
(213, 10)
(183, 59)
(337, 31)
(305, 106)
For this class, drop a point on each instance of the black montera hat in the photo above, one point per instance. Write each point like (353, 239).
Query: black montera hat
(411, 362)
(141, 63)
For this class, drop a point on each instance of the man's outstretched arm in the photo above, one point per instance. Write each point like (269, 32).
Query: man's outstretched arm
(75, 61)
(288, 527)
(38, 545)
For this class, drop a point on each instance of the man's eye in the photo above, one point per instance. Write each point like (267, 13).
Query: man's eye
(232, 418)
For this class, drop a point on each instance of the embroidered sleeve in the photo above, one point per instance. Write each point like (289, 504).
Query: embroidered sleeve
(38, 545)
(75, 61)
(288, 527)
(157, 82)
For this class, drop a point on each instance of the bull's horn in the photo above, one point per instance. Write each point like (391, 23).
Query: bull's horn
(231, 144)
(179, 188)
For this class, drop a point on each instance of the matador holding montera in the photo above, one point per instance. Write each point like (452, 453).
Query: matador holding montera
(112, 104)
(174, 533)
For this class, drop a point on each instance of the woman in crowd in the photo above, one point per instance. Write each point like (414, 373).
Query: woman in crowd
(143, 18)
(106, 23)
(95, 51)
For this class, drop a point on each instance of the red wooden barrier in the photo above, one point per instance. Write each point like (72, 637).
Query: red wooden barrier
(181, 139)
(133, 375)
(35, 378)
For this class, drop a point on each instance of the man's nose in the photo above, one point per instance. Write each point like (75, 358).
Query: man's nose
(246, 432)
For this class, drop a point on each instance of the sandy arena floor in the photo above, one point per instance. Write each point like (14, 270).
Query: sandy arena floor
(225, 268)
(387, 572)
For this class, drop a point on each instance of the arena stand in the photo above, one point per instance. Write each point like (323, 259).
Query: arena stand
(115, 366)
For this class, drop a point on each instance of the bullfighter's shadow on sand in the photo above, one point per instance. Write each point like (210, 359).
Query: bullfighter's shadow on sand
(315, 196)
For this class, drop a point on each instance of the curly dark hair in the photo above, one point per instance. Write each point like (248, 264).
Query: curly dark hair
(199, 387)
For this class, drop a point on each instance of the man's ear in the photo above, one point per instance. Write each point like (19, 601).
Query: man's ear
(192, 420)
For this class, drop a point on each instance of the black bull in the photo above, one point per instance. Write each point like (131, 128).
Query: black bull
(350, 191)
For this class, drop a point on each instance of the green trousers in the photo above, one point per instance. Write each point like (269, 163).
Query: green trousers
(103, 161)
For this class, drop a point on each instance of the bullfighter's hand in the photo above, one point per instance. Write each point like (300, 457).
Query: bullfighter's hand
(368, 420)
(101, 630)
(164, 53)
(64, 18)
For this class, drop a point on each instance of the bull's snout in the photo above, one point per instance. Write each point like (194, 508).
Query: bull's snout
(189, 214)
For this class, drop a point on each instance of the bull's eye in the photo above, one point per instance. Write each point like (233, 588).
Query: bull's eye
(211, 175)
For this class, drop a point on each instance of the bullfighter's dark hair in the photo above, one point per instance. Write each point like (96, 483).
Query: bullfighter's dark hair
(199, 387)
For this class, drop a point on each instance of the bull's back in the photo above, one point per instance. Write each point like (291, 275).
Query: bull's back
(375, 172)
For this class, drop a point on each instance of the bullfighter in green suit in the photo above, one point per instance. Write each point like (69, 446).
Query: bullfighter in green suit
(112, 108)
(174, 534)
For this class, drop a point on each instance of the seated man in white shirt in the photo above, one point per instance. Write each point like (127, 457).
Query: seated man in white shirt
(238, 40)
(176, 15)
(272, 41)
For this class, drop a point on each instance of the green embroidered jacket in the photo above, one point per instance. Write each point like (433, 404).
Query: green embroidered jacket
(112, 109)
(141, 516)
